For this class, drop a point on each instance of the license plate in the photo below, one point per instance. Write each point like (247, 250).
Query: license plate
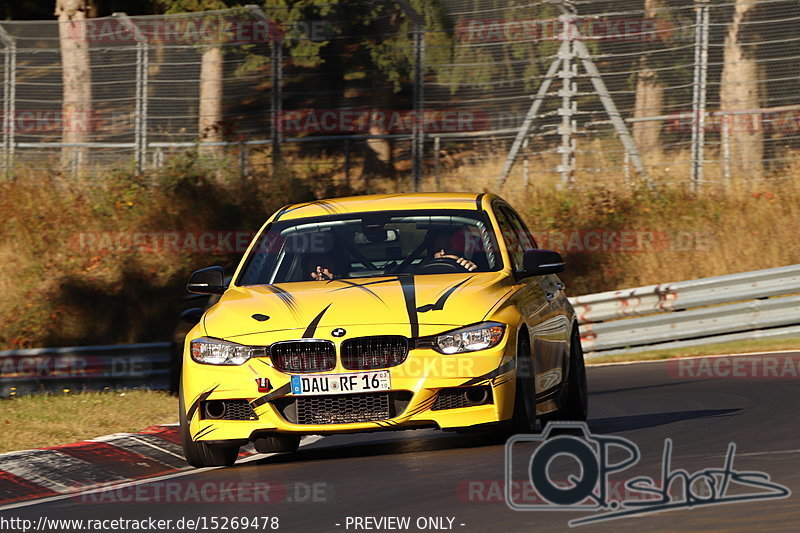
(317, 384)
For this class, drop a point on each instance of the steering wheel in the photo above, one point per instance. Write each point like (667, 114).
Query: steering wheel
(441, 265)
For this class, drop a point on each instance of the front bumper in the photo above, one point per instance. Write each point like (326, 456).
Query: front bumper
(416, 383)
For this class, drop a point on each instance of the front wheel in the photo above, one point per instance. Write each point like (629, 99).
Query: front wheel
(277, 443)
(575, 402)
(200, 454)
(524, 420)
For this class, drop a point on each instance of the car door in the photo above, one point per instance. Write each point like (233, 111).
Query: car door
(549, 324)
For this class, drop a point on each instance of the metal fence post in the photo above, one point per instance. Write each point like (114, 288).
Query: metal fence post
(143, 72)
(526, 176)
(140, 105)
(725, 141)
(276, 97)
(158, 158)
(276, 103)
(626, 162)
(699, 96)
(418, 148)
(418, 127)
(243, 160)
(347, 162)
(437, 148)
(568, 105)
(9, 101)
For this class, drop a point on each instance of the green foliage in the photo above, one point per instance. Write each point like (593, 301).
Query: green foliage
(194, 6)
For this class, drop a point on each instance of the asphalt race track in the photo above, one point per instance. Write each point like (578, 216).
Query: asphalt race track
(330, 484)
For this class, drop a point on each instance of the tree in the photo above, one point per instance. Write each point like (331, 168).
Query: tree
(209, 111)
(369, 37)
(739, 91)
(76, 108)
(649, 95)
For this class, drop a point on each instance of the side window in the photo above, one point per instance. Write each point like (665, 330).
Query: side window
(515, 249)
(525, 237)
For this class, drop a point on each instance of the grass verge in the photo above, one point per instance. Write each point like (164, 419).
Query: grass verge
(53, 419)
(755, 345)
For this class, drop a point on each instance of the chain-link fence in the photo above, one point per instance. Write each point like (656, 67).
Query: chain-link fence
(663, 90)
(145, 82)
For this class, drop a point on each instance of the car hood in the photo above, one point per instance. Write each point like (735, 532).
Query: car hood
(440, 299)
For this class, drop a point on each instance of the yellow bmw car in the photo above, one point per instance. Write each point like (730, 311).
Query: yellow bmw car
(378, 313)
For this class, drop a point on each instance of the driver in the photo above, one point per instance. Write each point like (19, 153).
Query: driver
(449, 244)
(322, 272)
(324, 266)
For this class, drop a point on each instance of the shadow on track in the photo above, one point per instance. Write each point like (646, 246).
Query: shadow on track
(627, 423)
(646, 387)
(442, 441)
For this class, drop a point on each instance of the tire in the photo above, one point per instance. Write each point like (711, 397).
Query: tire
(277, 443)
(524, 420)
(199, 454)
(575, 399)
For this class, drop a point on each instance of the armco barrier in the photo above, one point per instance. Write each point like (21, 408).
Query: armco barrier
(691, 313)
(85, 368)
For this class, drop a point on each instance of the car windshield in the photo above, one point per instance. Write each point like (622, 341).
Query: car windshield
(372, 244)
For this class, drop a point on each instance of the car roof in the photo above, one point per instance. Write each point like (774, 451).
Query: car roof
(381, 202)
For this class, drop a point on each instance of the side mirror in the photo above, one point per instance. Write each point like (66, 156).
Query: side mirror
(209, 280)
(540, 263)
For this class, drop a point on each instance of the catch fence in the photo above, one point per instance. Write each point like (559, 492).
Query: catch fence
(686, 91)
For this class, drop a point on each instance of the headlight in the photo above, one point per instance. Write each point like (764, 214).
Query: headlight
(471, 338)
(219, 352)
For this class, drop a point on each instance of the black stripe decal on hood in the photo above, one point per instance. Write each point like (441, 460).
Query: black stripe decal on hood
(312, 327)
(283, 390)
(410, 297)
(350, 285)
(439, 305)
(389, 280)
(285, 297)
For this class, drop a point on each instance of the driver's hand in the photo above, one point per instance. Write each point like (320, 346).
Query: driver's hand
(322, 273)
(466, 263)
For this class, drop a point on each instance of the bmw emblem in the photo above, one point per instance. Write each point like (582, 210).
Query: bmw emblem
(338, 332)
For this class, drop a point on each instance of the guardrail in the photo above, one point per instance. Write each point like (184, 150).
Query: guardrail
(122, 366)
(691, 313)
